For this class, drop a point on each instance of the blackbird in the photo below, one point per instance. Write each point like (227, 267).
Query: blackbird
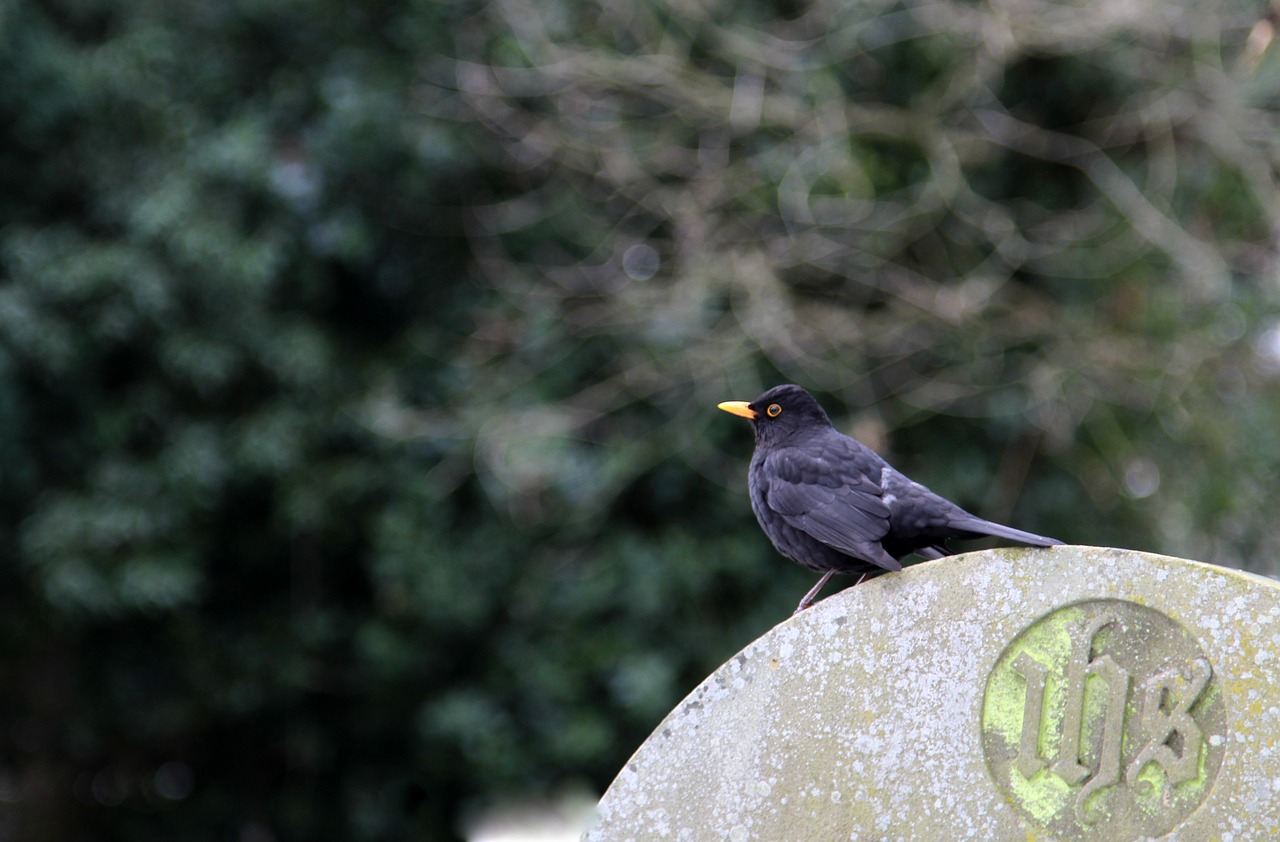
(829, 503)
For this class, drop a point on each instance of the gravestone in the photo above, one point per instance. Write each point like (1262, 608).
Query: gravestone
(1074, 693)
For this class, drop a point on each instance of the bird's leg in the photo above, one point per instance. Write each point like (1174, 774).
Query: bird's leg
(813, 592)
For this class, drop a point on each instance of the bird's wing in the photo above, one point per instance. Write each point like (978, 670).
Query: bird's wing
(832, 493)
(919, 512)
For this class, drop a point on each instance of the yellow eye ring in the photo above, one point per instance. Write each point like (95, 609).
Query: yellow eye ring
(773, 411)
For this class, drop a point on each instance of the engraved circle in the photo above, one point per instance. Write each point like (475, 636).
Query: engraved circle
(1104, 720)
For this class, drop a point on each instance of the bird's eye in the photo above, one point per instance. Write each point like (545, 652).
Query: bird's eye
(774, 410)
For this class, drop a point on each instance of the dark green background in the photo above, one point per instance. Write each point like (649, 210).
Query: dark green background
(359, 461)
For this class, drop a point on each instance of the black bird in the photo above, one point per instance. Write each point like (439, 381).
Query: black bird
(829, 503)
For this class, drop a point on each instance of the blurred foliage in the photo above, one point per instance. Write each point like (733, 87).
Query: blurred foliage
(358, 362)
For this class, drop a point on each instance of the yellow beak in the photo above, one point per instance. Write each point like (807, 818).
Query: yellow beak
(738, 408)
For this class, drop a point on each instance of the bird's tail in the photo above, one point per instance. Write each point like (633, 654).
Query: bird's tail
(986, 527)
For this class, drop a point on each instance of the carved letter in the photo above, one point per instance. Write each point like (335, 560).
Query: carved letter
(1068, 766)
(1116, 679)
(1079, 669)
(1159, 727)
(1034, 673)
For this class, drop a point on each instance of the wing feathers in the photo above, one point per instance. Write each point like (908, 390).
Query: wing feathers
(833, 500)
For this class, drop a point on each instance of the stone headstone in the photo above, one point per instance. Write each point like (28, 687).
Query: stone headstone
(1074, 693)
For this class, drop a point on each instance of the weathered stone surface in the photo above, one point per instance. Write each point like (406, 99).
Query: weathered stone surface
(1071, 693)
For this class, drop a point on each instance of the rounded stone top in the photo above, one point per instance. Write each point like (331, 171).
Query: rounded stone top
(1073, 693)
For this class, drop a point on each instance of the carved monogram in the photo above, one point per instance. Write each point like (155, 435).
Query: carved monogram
(1104, 716)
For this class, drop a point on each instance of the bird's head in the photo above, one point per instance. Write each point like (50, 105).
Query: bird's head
(780, 413)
